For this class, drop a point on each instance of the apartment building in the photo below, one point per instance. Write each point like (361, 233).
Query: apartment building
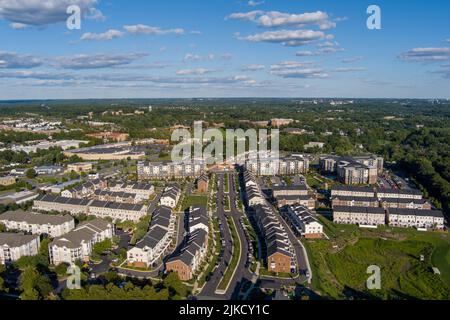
(303, 222)
(80, 167)
(168, 169)
(49, 203)
(352, 191)
(353, 170)
(14, 246)
(186, 261)
(35, 223)
(293, 190)
(415, 218)
(351, 201)
(269, 166)
(84, 190)
(156, 243)
(143, 191)
(111, 196)
(280, 256)
(78, 244)
(117, 211)
(170, 196)
(362, 216)
(392, 203)
(7, 181)
(302, 200)
(399, 194)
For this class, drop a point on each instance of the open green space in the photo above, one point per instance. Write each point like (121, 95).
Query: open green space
(340, 264)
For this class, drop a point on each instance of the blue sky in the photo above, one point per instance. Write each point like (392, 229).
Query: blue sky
(232, 48)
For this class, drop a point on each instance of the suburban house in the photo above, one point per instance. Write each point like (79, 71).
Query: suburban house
(35, 223)
(14, 246)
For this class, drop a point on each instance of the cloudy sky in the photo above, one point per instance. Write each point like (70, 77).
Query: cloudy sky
(224, 48)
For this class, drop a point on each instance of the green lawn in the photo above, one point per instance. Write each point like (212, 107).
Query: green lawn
(195, 200)
(340, 265)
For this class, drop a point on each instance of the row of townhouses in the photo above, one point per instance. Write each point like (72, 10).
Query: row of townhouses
(253, 191)
(370, 216)
(101, 209)
(280, 253)
(38, 224)
(294, 164)
(303, 222)
(156, 243)
(353, 170)
(78, 243)
(190, 255)
(84, 190)
(170, 196)
(297, 194)
(143, 191)
(14, 246)
(169, 169)
(380, 193)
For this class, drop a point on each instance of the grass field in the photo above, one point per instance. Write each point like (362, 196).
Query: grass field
(340, 265)
(200, 200)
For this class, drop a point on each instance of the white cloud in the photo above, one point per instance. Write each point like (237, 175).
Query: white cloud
(144, 29)
(353, 59)
(97, 61)
(294, 69)
(253, 67)
(306, 53)
(108, 35)
(12, 60)
(227, 56)
(356, 69)
(253, 3)
(44, 12)
(286, 37)
(280, 19)
(426, 55)
(17, 25)
(195, 57)
(197, 71)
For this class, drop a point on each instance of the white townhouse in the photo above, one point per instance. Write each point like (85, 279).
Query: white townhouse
(143, 191)
(362, 216)
(156, 243)
(303, 222)
(14, 246)
(198, 219)
(415, 218)
(170, 197)
(78, 244)
(117, 211)
(399, 194)
(35, 223)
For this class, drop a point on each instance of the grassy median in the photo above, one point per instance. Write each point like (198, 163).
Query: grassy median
(234, 258)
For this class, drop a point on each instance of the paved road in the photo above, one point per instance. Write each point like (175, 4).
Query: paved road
(241, 273)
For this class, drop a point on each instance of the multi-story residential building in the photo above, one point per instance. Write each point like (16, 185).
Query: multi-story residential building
(80, 167)
(101, 209)
(293, 190)
(143, 191)
(7, 181)
(111, 196)
(168, 169)
(78, 244)
(302, 200)
(60, 204)
(198, 219)
(414, 218)
(362, 216)
(303, 222)
(186, 261)
(117, 211)
(14, 246)
(346, 201)
(352, 191)
(280, 122)
(35, 223)
(155, 244)
(84, 190)
(401, 203)
(280, 256)
(202, 183)
(353, 170)
(399, 194)
(269, 166)
(48, 170)
(170, 196)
